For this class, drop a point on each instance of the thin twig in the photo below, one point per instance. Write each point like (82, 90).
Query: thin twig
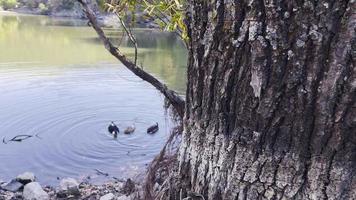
(130, 35)
(19, 138)
(122, 37)
(101, 173)
(37, 136)
(118, 179)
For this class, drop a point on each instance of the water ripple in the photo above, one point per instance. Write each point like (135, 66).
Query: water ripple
(69, 108)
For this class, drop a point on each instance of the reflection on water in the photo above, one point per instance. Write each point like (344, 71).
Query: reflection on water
(56, 42)
(59, 82)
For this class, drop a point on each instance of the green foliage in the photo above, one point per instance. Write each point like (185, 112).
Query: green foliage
(43, 8)
(31, 3)
(8, 4)
(101, 4)
(168, 14)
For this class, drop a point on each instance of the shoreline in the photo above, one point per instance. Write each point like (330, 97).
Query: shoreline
(107, 20)
(25, 186)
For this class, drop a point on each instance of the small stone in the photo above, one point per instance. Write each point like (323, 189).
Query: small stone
(8, 195)
(124, 197)
(109, 196)
(34, 191)
(12, 186)
(68, 186)
(26, 177)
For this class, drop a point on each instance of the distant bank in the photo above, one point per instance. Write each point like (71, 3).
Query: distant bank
(58, 8)
(68, 8)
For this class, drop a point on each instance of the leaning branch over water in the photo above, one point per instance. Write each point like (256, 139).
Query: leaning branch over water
(176, 101)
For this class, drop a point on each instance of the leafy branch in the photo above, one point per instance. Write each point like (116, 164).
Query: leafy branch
(168, 14)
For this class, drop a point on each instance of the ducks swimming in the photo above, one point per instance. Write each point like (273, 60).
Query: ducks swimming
(153, 129)
(113, 129)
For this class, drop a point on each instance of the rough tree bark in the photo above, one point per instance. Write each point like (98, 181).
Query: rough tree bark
(270, 108)
(270, 111)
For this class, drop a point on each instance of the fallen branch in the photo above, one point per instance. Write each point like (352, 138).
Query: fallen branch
(101, 173)
(176, 101)
(118, 179)
(19, 138)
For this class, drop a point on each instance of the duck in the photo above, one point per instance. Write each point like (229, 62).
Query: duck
(113, 129)
(130, 129)
(153, 129)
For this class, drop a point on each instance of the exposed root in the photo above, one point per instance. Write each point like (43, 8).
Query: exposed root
(160, 169)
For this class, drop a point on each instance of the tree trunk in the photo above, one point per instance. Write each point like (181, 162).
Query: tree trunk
(270, 109)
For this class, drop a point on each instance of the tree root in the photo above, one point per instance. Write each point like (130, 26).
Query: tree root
(160, 169)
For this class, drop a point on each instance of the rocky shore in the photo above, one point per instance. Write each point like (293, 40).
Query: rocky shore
(25, 187)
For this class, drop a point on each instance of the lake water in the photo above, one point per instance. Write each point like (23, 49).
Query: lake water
(58, 82)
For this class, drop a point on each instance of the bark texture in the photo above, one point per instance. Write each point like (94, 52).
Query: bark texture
(270, 110)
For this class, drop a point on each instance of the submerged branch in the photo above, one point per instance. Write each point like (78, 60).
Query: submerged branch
(176, 101)
(101, 173)
(20, 138)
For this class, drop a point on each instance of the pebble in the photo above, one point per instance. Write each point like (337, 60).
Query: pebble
(109, 196)
(69, 189)
(12, 186)
(26, 177)
(124, 197)
(34, 191)
(68, 186)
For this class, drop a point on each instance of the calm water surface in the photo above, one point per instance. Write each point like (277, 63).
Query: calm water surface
(57, 81)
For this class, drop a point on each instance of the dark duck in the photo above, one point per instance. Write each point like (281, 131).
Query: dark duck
(113, 129)
(153, 129)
